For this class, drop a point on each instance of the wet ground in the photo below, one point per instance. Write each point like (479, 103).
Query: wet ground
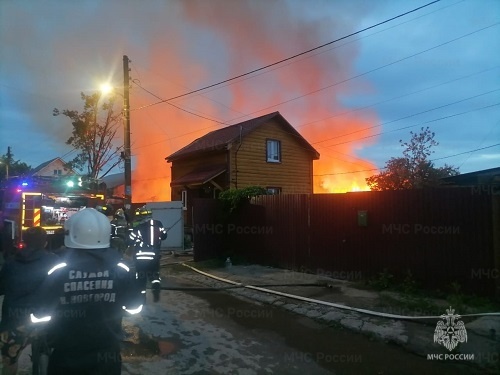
(211, 332)
(214, 332)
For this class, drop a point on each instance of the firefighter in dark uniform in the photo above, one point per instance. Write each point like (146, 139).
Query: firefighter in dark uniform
(146, 238)
(20, 278)
(86, 297)
(119, 230)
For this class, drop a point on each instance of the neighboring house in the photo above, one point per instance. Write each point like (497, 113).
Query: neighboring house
(265, 151)
(488, 179)
(53, 168)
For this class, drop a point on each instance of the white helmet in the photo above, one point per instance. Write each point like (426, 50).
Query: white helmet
(87, 229)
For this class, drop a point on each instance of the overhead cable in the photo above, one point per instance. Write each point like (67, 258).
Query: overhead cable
(291, 57)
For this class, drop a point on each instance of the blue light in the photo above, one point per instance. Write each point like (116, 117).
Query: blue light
(24, 183)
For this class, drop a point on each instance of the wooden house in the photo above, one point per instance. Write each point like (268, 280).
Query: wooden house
(265, 151)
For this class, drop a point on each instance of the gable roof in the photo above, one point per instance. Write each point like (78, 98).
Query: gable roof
(219, 139)
(45, 164)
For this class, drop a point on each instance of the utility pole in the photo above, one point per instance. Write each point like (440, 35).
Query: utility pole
(126, 136)
(7, 164)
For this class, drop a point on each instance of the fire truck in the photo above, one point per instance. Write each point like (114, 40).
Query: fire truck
(44, 201)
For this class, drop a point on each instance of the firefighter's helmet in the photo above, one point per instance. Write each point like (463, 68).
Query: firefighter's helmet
(142, 214)
(87, 229)
(120, 214)
(106, 209)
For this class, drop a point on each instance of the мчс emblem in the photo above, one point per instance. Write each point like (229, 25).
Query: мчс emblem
(449, 332)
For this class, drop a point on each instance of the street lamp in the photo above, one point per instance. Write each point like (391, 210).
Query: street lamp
(106, 88)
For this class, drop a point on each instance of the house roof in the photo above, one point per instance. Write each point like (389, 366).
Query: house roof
(219, 139)
(114, 180)
(199, 176)
(484, 176)
(43, 165)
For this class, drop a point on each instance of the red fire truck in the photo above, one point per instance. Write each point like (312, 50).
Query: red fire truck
(44, 201)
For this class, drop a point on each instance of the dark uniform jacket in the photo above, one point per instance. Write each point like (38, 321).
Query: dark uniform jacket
(87, 294)
(149, 234)
(20, 280)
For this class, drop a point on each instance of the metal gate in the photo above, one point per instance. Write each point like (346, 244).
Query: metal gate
(170, 214)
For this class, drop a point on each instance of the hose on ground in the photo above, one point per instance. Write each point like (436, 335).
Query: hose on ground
(330, 304)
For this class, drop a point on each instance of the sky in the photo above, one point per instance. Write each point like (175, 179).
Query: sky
(353, 99)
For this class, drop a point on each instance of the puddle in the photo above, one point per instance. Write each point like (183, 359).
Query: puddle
(140, 346)
(137, 345)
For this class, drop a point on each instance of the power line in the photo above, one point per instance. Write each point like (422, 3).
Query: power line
(480, 144)
(291, 57)
(466, 152)
(394, 62)
(337, 83)
(406, 117)
(339, 173)
(175, 106)
(336, 47)
(370, 170)
(188, 88)
(350, 111)
(398, 97)
(369, 71)
(412, 126)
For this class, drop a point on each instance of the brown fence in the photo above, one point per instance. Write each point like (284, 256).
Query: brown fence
(440, 236)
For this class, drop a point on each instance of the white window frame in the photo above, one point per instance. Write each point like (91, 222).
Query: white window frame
(273, 151)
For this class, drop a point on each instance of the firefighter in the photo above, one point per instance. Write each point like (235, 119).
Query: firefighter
(86, 296)
(119, 230)
(20, 278)
(146, 238)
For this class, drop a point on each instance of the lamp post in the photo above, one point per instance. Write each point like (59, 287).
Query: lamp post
(126, 135)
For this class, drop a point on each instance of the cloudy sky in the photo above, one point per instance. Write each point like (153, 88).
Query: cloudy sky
(352, 99)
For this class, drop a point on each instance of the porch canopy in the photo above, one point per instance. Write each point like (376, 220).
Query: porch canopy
(199, 176)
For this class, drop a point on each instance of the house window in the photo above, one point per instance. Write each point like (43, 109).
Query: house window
(273, 150)
(184, 197)
(273, 190)
(57, 172)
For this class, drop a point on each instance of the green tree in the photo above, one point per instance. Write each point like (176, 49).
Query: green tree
(413, 170)
(233, 199)
(94, 130)
(15, 167)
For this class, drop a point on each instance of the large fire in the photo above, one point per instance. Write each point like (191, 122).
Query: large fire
(339, 170)
(305, 88)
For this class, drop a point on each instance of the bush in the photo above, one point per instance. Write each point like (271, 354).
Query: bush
(233, 199)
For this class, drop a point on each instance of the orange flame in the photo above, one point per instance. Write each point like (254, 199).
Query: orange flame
(160, 130)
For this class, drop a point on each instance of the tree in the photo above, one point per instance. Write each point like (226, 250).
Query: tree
(93, 137)
(15, 167)
(233, 199)
(413, 170)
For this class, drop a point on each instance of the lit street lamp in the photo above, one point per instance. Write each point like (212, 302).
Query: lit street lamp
(106, 88)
